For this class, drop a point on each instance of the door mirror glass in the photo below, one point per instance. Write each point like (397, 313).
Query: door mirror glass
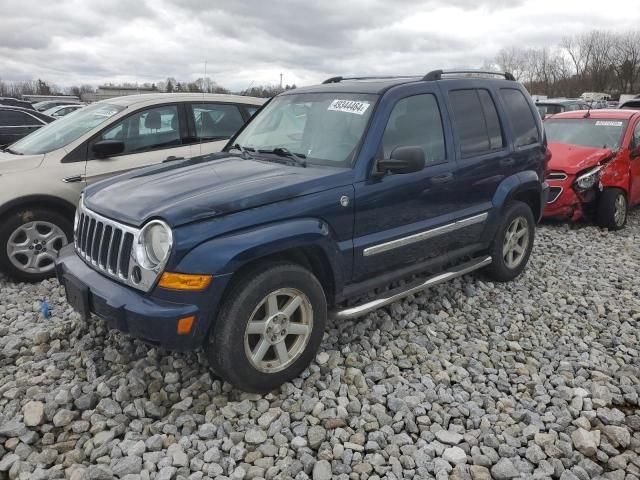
(108, 148)
(403, 160)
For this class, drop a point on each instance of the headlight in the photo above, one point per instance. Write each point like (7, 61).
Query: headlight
(588, 179)
(154, 245)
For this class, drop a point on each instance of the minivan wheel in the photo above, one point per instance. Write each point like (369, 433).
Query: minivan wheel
(513, 243)
(29, 242)
(269, 327)
(612, 209)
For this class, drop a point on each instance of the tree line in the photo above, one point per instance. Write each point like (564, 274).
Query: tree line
(596, 61)
(16, 89)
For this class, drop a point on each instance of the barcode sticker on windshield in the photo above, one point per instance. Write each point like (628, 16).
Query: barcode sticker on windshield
(608, 123)
(349, 106)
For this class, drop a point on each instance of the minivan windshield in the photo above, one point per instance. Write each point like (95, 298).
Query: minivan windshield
(66, 130)
(321, 128)
(587, 132)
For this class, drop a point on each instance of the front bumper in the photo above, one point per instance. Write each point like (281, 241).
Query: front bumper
(565, 202)
(151, 317)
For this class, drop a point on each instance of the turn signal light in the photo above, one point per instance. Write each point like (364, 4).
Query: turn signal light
(184, 325)
(184, 281)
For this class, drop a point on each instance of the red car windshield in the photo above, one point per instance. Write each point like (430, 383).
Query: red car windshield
(588, 132)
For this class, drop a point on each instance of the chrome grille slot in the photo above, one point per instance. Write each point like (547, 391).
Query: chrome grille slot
(108, 247)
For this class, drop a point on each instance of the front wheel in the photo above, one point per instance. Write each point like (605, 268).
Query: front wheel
(269, 327)
(29, 242)
(513, 243)
(612, 209)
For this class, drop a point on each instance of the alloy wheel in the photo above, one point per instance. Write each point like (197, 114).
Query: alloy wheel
(620, 210)
(516, 241)
(33, 246)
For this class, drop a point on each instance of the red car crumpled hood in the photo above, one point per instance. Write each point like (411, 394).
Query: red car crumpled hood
(573, 158)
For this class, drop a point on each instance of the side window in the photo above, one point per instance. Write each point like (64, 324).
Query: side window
(415, 121)
(149, 129)
(477, 122)
(492, 120)
(636, 136)
(520, 116)
(10, 118)
(216, 121)
(251, 110)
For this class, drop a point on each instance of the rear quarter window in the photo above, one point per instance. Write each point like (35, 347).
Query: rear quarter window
(523, 123)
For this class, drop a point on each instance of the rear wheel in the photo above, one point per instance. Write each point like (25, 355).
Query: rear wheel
(29, 242)
(612, 209)
(269, 327)
(513, 243)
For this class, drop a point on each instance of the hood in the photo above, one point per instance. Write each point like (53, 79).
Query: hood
(205, 187)
(10, 163)
(572, 159)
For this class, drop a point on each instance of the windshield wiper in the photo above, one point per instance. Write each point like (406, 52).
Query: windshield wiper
(8, 150)
(245, 151)
(297, 158)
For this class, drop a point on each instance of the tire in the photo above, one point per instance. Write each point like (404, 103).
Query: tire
(22, 228)
(232, 341)
(612, 209)
(504, 267)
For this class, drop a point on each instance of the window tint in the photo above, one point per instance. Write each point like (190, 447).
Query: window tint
(415, 121)
(476, 120)
(492, 120)
(11, 118)
(216, 121)
(147, 130)
(523, 123)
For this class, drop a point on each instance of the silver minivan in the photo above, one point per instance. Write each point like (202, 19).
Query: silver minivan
(42, 175)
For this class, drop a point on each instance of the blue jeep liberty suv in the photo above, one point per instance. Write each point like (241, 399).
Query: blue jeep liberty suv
(329, 193)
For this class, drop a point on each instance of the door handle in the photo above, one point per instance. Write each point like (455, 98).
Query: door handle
(172, 158)
(507, 162)
(444, 178)
(72, 179)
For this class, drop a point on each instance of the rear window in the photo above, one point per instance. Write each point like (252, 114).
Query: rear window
(523, 123)
(477, 124)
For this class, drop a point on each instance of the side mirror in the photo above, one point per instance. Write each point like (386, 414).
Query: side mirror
(403, 160)
(108, 148)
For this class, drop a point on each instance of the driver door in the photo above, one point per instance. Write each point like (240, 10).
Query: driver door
(150, 136)
(634, 166)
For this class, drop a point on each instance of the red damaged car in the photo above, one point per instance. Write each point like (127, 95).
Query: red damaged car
(594, 171)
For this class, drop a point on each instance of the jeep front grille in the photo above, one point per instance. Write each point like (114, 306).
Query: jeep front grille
(108, 246)
(105, 244)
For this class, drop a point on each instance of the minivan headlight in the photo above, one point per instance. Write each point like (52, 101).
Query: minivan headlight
(154, 245)
(588, 179)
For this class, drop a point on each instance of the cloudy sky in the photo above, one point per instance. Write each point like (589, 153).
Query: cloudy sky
(71, 42)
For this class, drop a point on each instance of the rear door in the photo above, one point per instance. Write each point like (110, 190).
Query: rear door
(211, 125)
(403, 219)
(151, 135)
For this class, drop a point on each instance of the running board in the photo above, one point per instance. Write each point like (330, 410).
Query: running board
(398, 293)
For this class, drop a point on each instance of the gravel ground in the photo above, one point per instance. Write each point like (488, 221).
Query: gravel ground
(538, 378)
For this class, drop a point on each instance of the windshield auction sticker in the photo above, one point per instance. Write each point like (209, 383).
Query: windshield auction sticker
(608, 123)
(349, 106)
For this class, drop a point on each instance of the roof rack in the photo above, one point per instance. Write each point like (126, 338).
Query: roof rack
(437, 74)
(339, 79)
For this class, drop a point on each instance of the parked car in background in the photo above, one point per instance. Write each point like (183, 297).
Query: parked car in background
(13, 102)
(42, 175)
(47, 104)
(594, 171)
(16, 122)
(329, 192)
(551, 106)
(633, 104)
(62, 110)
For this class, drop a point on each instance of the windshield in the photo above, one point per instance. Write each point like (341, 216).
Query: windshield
(587, 132)
(66, 130)
(322, 128)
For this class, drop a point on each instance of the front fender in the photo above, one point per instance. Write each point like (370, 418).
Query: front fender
(228, 253)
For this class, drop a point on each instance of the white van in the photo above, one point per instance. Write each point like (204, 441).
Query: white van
(42, 175)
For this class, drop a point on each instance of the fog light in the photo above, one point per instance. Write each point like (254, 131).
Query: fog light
(185, 324)
(184, 281)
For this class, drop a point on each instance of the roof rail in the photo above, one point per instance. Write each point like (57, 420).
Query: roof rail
(339, 79)
(437, 74)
